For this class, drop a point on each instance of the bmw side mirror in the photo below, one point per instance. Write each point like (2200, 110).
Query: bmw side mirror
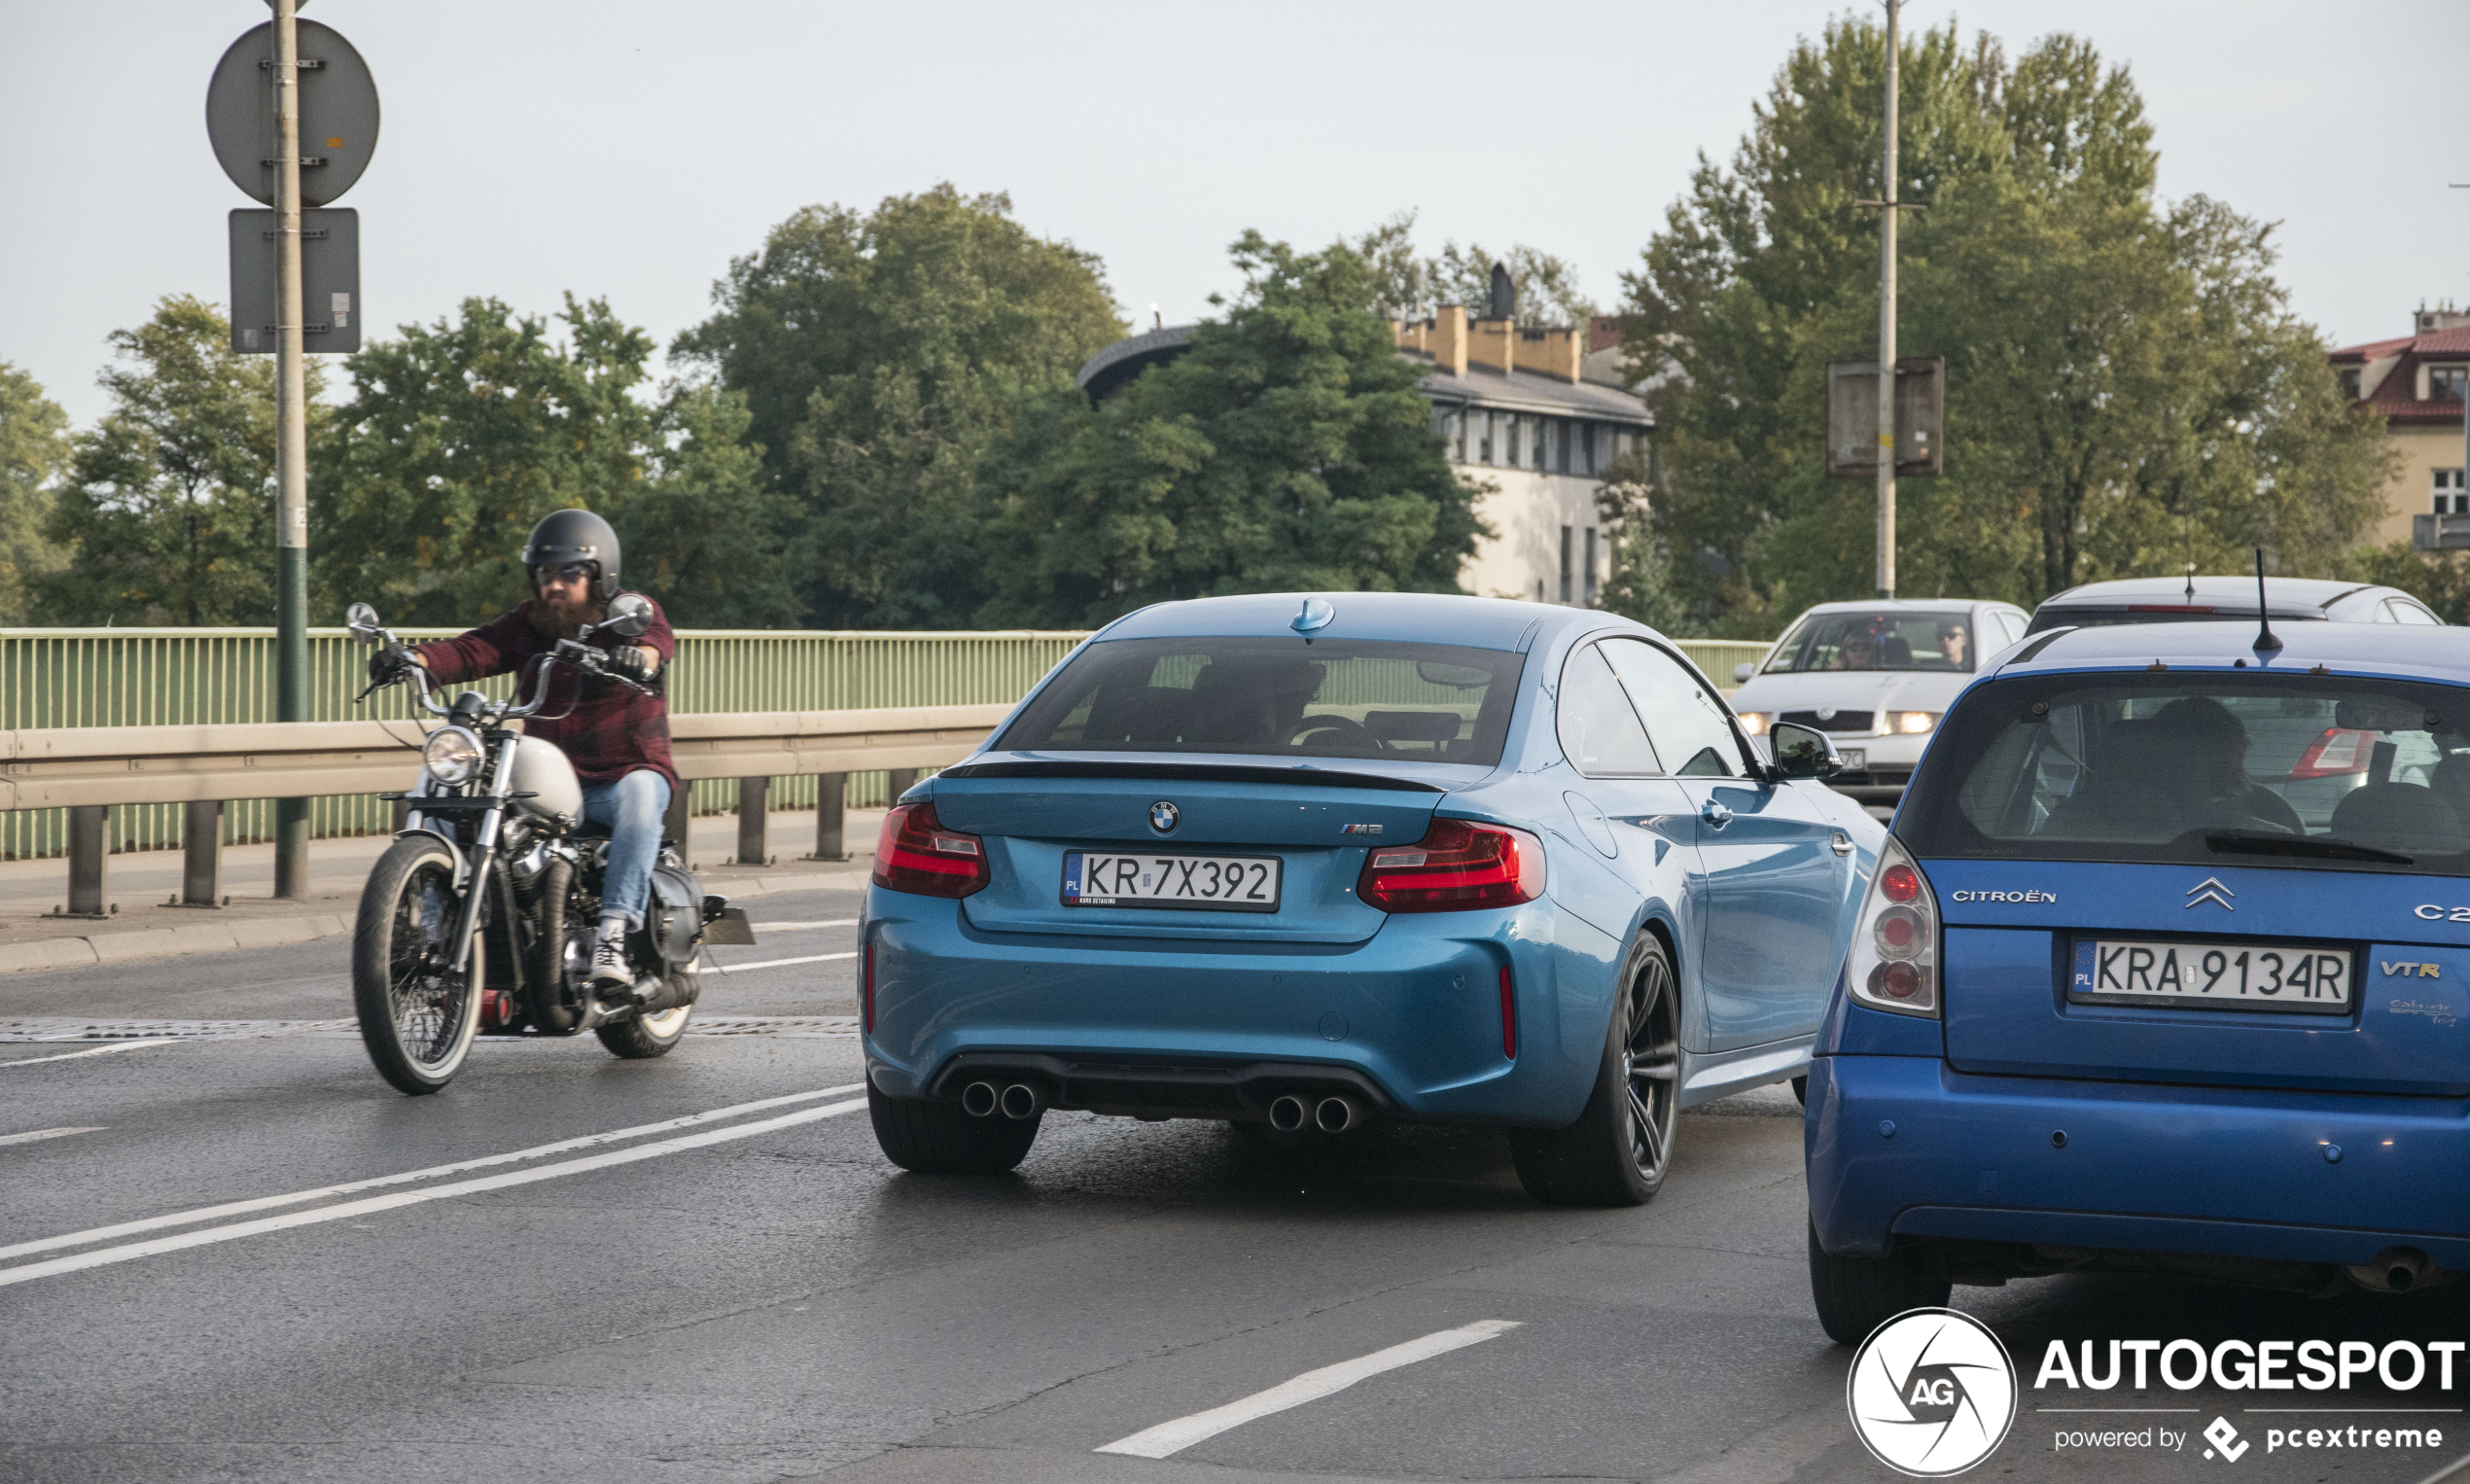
(630, 615)
(1803, 752)
(362, 620)
(1742, 671)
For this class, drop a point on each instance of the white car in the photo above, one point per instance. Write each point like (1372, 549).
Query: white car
(1875, 677)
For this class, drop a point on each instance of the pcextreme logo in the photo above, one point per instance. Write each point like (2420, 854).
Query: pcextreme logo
(1931, 1394)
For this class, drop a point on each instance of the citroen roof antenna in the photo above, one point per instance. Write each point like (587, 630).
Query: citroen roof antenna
(2265, 642)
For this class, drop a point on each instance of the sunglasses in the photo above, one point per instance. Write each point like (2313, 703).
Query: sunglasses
(572, 571)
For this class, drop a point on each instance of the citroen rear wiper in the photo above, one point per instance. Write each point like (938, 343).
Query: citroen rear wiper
(2266, 842)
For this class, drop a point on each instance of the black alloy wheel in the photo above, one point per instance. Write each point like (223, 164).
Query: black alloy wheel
(1621, 1148)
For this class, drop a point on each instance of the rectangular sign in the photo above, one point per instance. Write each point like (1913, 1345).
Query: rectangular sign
(330, 281)
(1921, 418)
(1207, 883)
(2311, 978)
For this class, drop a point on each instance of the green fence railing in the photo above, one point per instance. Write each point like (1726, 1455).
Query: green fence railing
(159, 676)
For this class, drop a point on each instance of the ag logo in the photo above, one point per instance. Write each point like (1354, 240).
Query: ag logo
(1933, 1393)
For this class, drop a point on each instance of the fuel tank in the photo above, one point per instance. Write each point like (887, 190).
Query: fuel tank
(543, 771)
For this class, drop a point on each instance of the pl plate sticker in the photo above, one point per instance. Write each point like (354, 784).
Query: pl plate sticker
(1933, 1393)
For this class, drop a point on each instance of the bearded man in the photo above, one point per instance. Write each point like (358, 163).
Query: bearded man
(617, 737)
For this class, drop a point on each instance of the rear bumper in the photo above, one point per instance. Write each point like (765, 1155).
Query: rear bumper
(1409, 1020)
(2169, 1169)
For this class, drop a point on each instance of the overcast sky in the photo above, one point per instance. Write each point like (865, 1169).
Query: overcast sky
(625, 149)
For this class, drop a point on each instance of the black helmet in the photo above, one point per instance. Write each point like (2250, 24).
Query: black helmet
(574, 536)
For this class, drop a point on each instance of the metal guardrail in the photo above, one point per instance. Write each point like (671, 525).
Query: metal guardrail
(87, 770)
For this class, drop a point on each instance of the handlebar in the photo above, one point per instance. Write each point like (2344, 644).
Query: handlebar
(582, 656)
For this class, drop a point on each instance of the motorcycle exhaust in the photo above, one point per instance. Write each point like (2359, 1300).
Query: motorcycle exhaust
(977, 1099)
(1335, 1115)
(1287, 1114)
(1023, 1101)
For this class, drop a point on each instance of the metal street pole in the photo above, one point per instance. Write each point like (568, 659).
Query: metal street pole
(291, 451)
(1887, 212)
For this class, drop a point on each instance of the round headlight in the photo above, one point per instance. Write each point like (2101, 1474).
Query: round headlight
(452, 755)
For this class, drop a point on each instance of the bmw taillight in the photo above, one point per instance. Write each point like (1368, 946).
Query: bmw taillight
(1895, 961)
(1456, 867)
(915, 853)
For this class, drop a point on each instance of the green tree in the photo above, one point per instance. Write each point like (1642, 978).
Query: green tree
(34, 449)
(1288, 450)
(2126, 388)
(168, 507)
(880, 356)
(1409, 286)
(460, 434)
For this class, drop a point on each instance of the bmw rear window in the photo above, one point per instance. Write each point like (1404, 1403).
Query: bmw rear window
(1277, 697)
(2316, 772)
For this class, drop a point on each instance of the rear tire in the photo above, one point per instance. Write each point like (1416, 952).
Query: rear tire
(1618, 1152)
(1856, 1293)
(416, 1021)
(932, 1136)
(639, 1038)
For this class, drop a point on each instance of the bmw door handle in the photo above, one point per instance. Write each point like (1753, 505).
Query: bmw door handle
(1715, 814)
(1842, 844)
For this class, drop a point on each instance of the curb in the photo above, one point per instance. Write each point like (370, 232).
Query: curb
(166, 943)
(277, 932)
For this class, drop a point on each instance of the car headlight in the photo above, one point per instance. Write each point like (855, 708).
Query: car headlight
(452, 755)
(1753, 722)
(1911, 722)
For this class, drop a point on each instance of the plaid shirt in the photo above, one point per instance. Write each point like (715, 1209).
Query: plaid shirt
(609, 730)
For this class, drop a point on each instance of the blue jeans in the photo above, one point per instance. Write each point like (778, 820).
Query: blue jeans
(631, 808)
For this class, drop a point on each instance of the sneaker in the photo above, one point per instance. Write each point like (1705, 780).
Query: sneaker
(609, 976)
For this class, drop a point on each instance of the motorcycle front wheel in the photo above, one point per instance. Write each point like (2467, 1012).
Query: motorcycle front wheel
(417, 1014)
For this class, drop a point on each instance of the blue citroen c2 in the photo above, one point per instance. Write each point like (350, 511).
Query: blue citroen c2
(1298, 862)
(2166, 967)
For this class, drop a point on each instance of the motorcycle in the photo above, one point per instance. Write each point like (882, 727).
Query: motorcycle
(480, 919)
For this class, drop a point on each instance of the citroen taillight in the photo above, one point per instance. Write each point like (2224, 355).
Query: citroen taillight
(1457, 865)
(915, 853)
(1894, 960)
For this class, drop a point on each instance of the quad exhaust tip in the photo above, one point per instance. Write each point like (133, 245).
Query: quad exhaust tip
(1287, 1114)
(978, 1098)
(1335, 1115)
(1022, 1102)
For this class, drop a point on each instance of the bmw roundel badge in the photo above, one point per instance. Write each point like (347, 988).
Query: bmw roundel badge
(1162, 817)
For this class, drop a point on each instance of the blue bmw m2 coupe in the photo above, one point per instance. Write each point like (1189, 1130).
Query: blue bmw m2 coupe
(1299, 863)
(2166, 967)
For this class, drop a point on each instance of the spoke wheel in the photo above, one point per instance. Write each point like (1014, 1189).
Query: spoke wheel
(418, 1011)
(1621, 1146)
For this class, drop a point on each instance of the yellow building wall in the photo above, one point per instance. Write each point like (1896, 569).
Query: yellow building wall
(2424, 451)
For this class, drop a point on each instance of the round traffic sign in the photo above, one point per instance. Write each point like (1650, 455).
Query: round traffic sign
(339, 113)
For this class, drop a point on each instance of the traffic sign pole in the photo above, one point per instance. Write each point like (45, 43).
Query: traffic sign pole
(291, 451)
(1886, 327)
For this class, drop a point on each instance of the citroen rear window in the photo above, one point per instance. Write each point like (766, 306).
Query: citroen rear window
(1277, 697)
(2316, 772)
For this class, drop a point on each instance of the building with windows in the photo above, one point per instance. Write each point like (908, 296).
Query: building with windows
(1537, 413)
(2417, 385)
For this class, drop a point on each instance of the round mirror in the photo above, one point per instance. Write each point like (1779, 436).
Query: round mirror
(630, 615)
(362, 620)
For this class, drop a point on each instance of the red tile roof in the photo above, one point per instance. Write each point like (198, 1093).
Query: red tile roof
(2395, 397)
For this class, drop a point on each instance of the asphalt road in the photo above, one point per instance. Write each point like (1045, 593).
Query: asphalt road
(699, 1268)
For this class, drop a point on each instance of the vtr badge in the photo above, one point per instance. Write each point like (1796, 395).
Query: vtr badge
(1162, 817)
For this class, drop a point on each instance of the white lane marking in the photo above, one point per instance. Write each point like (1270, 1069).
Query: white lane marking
(267, 1202)
(48, 1133)
(70, 1056)
(130, 1252)
(1171, 1437)
(812, 958)
(803, 927)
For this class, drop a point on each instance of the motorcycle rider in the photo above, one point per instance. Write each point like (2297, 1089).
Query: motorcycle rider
(618, 739)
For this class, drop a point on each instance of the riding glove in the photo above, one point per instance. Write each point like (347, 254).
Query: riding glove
(628, 661)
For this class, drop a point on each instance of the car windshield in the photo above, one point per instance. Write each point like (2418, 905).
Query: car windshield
(2287, 770)
(1283, 697)
(1875, 641)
